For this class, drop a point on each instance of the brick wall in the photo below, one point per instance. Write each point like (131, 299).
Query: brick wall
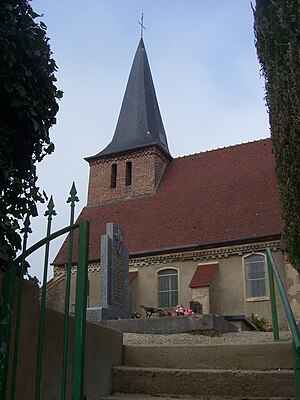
(147, 166)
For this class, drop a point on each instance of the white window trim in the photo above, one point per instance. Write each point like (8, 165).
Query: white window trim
(178, 283)
(262, 298)
(258, 298)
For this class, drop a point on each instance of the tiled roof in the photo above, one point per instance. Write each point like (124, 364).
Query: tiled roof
(203, 275)
(219, 196)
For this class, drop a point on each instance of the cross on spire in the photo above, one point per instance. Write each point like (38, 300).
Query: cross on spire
(142, 25)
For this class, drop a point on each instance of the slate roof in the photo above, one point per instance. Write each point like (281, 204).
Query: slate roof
(203, 200)
(140, 123)
(203, 275)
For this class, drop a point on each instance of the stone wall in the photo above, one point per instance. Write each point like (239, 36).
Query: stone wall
(201, 294)
(103, 351)
(213, 296)
(28, 340)
(293, 288)
(207, 297)
(55, 296)
(227, 291)
(230, 287)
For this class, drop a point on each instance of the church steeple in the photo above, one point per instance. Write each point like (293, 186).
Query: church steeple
(140, 123)
(134, 162)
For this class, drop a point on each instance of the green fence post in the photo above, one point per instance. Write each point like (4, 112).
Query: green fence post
(72, 199)
(49, 213)
(272, 298)
(80, 313)
(296, 370)
(292, 323)
(26, 230)
(9, 283)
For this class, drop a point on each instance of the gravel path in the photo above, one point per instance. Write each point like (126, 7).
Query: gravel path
(195, 338)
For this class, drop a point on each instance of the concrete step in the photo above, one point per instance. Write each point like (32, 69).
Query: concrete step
(265, 356)
(124, 396)
(204, 382)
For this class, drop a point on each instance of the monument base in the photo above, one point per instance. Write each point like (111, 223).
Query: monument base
(204, 322)
(98, 314)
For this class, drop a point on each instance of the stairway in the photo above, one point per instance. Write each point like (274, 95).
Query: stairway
(248, 371)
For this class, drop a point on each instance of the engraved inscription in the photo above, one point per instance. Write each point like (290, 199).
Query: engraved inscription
(118, 282)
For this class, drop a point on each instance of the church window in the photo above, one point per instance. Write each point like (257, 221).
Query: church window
(167, 288)
(128, 173)
(255, 276)
(113, 178)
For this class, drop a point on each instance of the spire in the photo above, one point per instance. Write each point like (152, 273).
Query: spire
(140, 123)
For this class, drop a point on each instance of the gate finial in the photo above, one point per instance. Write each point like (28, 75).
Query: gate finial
(72, 200)
(26, 226)
(50, 209)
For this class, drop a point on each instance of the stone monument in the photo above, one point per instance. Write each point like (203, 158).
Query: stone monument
(114, 284)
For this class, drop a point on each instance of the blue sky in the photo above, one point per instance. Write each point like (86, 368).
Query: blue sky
(204, 66)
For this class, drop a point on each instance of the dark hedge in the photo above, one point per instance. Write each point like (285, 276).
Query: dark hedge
(277, 31)
(28, 106)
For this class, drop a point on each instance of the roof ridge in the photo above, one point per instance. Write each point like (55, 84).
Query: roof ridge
(222, 148)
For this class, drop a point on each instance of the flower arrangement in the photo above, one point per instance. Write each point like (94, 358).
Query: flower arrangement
(260, 323)
(180, 310)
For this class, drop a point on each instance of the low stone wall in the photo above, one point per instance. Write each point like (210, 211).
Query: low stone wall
(172, 324)
(27, 340)
(103, 351)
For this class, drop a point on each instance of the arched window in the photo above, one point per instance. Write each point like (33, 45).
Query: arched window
(167, 288)
(255, 276)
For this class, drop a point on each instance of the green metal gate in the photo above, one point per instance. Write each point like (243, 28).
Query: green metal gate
(18, 268)
(273, 273)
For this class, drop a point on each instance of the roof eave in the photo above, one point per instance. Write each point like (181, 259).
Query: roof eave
(128, 151)
(196, 246)
(208, 245)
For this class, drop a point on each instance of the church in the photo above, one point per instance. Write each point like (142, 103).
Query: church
(196, 227)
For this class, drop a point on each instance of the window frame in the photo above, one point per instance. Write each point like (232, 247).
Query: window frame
(169, 291)
(256, 298)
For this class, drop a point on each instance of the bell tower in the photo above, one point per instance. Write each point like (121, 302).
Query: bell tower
(134, 161)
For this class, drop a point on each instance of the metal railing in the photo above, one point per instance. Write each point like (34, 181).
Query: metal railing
(17, 267)
(273, 272)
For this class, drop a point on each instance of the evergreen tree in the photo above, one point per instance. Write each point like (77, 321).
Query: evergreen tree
(277, 31)
(28, 105)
